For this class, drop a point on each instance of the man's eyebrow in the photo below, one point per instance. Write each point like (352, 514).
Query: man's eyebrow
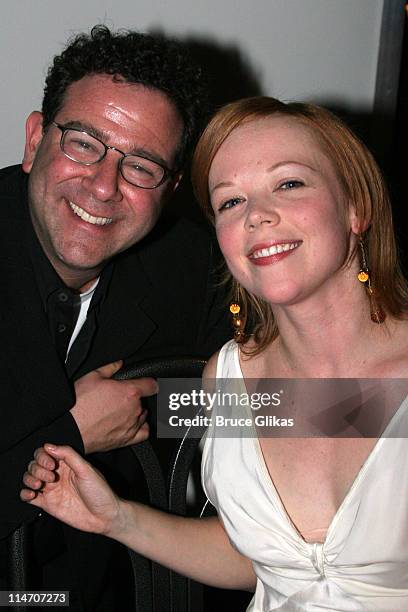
(93, 131)
(152, 156)
(86, 127)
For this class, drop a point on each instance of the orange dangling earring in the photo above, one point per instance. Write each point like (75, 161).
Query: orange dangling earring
(238, 322)
(377, 313)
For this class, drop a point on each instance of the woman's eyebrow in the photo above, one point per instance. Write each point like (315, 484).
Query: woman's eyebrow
(290, 161)
(270, 169)
(222, 184)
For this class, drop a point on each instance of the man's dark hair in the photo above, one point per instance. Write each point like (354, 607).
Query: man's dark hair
(153, 61)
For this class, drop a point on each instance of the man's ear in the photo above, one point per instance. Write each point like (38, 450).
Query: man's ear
(34, 134)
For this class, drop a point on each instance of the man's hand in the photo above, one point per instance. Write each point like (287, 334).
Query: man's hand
(66, 486)
(108, 412)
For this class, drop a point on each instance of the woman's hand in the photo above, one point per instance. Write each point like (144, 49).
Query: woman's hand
(66, 486)
(63, 484)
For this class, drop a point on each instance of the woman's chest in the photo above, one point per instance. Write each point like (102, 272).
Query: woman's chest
(313, 476)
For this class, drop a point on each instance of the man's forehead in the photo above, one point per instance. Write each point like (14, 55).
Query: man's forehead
(115, 94)
(123, 114)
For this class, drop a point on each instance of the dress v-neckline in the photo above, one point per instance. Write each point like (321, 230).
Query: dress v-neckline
(350, 492)
(286, 516)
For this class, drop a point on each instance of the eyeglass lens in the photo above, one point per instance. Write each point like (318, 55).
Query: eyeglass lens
(85, 149)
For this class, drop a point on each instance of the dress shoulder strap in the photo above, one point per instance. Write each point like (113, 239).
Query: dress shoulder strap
(228, 361)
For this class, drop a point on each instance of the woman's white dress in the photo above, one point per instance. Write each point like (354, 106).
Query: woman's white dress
(363, 563)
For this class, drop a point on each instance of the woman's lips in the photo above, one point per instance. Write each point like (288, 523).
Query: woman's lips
(265, 254)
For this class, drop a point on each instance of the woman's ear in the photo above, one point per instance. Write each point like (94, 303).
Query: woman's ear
(34, 135)
(357, 225)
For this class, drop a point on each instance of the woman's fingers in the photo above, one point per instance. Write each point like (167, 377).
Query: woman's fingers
(44, 459)
(27, 495)
(40, 473)
(78, 465)
(32, 482)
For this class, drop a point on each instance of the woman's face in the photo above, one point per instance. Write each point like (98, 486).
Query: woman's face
(281, 216)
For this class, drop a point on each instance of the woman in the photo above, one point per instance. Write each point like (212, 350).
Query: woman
(304, 223)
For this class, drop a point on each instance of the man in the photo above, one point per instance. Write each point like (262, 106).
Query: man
(87, 284)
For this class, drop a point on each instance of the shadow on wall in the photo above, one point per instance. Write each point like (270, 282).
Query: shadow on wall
(229, 73)
(229, 76)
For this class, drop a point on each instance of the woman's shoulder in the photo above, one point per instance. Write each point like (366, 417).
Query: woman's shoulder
(219, 364)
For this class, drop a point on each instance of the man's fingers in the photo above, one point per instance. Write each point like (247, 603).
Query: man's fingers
(108, 370)
(142, 418)
(142, 434)
(144, 386)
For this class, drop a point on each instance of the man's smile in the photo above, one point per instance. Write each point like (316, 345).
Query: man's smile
(85, 216)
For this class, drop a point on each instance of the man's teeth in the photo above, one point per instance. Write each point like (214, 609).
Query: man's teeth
(89, 218)
(275, 249)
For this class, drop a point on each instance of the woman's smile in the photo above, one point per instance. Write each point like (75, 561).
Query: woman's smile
(264, 255)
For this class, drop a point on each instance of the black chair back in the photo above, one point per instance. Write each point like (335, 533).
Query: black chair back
(154, 584)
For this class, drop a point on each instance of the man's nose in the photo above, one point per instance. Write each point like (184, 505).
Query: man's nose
(261, 213)
(103, 178)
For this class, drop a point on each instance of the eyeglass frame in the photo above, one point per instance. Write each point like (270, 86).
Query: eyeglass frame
(167, 172)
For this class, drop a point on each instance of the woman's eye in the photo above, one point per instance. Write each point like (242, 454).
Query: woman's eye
(229, 204)
(287, 185)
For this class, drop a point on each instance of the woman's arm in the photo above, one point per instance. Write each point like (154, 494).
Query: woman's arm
(63, 484)
(197, 548)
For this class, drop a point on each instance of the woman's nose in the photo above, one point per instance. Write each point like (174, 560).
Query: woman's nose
(259, 214)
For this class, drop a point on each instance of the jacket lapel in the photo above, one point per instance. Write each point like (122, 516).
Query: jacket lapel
(124, 324)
